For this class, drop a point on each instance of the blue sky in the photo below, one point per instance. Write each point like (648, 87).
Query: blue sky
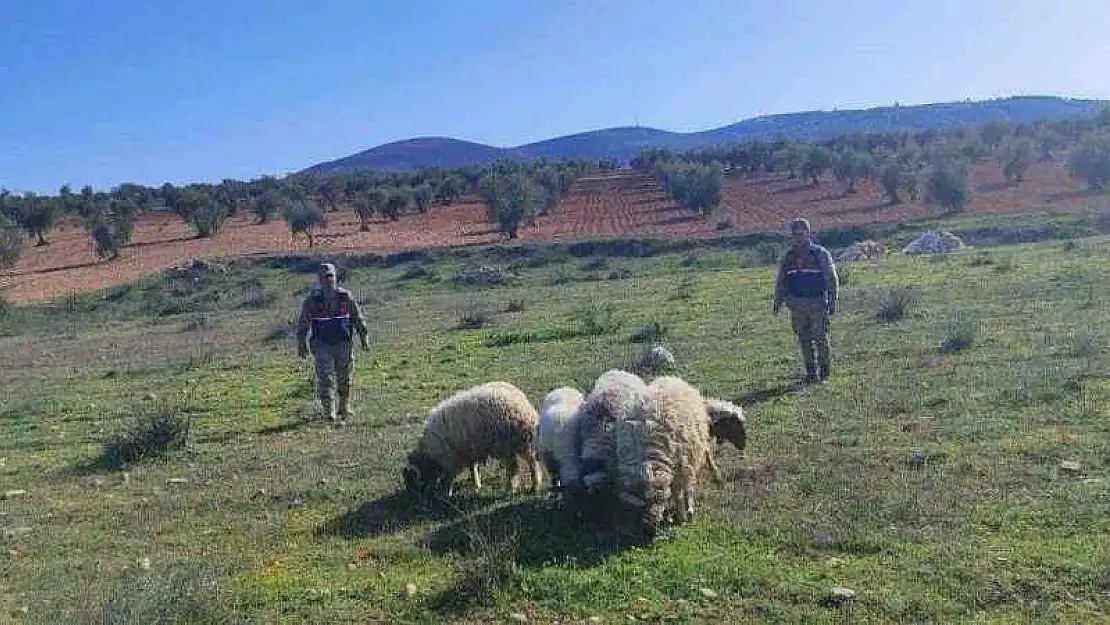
(110, 91)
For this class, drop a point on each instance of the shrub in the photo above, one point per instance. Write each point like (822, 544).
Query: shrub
(961, 335)
(397, 199)
(894, 303)
(423, 196)
(267, 205)
(472, 319)
(151, 432)
(208, 218)
(1084, 344)
(510, 198)
(817, 160)
(650, 333)
(514, 305)
(851, 165)
(844, 274)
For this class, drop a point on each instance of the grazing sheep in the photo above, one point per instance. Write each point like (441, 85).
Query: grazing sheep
(660, 449)
(557, 435)
(726, 423)
(615, 394)
(491, 420)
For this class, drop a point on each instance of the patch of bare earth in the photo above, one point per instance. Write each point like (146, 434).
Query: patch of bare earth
(613, 205)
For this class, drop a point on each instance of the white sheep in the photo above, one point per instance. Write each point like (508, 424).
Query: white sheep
(615, 394)
(660, 449)
(491, 420)
(557, 435)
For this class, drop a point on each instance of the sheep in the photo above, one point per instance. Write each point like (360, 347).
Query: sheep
(660, 449)
(556, 436)
(727, 423)
(615, 394)
(491, 420)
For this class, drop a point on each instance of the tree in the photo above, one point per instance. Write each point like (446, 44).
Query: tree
(37, 215)
(795, 155)
(510, 197)
(898, 175)
(369, 203)
(946, 184)
(267, 205)
(11, 242)
(1017, 154)
(818, 159)
(1090, 160)
(451, 188)
(851, 165)
(109, 220)
(397, 200)
(422, 196)
(304, 217)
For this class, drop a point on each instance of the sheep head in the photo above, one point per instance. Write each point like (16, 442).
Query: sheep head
(422, 474)
(727, 423)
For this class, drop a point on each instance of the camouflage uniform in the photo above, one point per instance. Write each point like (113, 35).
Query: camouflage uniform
(807, 283)
(331, 315)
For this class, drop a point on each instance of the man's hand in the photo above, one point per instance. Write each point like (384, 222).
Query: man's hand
(362, 341)
(775, 307)
(302, 350)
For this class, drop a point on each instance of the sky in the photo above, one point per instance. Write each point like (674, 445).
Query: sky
(114, 91)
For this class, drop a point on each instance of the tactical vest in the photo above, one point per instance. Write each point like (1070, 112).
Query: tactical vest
(804, 276)
(331, 327)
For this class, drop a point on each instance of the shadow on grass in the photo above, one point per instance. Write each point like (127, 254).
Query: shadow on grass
(758, 395)
(493, 546)
(397, 511)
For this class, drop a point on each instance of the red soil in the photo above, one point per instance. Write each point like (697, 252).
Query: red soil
(614, 205)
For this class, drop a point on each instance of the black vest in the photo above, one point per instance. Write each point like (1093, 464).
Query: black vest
(330, 327)
(804, 276)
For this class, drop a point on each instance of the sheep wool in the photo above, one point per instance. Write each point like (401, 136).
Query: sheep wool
(660, 449)
(615, 395)
(491, 420)
(556, 438)
(727, 422)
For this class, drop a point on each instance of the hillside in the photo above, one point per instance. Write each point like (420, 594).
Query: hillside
(623, 143)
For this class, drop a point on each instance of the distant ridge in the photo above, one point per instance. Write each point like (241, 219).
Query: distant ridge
(623, 143)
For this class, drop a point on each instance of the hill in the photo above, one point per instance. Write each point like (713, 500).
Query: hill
(624, 142)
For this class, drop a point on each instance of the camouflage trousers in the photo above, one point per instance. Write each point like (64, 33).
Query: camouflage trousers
(810, 320)
(333, 360)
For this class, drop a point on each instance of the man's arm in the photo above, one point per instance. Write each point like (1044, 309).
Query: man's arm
(832, 281)
(302, 323)
(780, 283)
(357, 320)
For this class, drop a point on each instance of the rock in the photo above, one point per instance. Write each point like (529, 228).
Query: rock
(409, 591)
(518, 617)
(17, 531)
(14, 494)
(1071, 466)
(177, 481)
(483, 275)
(934, 242)
(258, 494)
(150, 397)
(708, 593)
(594, 619)
(144, 563)
(862, 250)
(841, 595)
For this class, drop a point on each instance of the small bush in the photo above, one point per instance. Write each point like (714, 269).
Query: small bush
(650, 333)
(725, 224)
(200, 321)
(514, 305)
(11, 243)
(844, 274)
(894, 303)
(417, 272)
(596, 319)
(620, 274)
(1084, 345)
(149, 433)
(961, 335)
(472, 319)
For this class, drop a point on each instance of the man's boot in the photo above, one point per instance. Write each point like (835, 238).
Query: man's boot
(328, 406)
(344, 411)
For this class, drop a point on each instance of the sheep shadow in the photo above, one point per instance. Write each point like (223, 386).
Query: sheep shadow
(491, 547)
(397, 511)
(759, 395)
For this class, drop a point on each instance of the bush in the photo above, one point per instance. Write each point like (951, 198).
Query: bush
(510, 197)
(423, 196)
(1084, 345)
(152, 432)
(894, 303)
(817, 160)
(961, 335)
(397, 199)
(514, 305)
(472, 318)
(851, 165)
(650, 333)
(269, 204)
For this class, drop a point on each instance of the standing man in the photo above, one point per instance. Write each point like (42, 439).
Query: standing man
(808, 284)
(331, 313)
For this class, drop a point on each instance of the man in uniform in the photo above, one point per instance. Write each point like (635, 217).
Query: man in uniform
(807, 283)
(331, 313)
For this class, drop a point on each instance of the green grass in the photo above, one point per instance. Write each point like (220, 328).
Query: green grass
(929, 483)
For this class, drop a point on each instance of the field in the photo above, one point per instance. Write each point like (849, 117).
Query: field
(621, 205)
(969, 486)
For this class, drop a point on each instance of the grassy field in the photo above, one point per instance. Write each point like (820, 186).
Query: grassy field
(937, 485)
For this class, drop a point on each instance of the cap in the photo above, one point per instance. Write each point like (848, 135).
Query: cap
(326, 269)
(801, 224)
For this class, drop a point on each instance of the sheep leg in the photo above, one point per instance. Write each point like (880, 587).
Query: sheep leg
(474, 476)
(713, 467)
(537, 472)
(512, 467)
